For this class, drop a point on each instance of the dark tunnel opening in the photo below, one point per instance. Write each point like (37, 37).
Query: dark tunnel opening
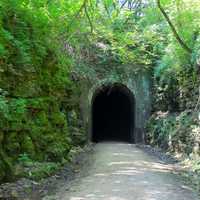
(113, 115)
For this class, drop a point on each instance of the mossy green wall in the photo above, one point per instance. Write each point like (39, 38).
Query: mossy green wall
(39, 117)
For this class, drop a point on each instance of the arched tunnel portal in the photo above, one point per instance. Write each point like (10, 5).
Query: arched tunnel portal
(113, 114)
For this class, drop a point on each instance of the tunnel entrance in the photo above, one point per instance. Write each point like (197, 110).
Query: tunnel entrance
(113, 114)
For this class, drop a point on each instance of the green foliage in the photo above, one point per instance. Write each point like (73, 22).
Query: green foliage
(24, 158)
(176, 73)
(35, 67)
(177, 133)
(26, 167)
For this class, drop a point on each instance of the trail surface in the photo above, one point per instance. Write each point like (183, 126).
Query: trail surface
(122, 171)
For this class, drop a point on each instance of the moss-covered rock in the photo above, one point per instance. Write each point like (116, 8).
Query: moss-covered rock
(2, 168)
(27, 145)
(1, 137)
(12, 144)
(36, 91)
(41, 119)
(6, 167)
(58, 118)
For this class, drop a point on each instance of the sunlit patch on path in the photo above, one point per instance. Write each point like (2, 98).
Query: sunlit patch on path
(121, 171)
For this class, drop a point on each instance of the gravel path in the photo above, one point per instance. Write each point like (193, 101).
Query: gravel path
(122, 171)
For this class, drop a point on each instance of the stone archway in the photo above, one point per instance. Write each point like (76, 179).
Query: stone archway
(113, 113)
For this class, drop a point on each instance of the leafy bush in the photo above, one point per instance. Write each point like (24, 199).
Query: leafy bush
(178, 133)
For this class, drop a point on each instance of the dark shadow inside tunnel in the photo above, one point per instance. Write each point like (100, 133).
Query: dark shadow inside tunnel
(113, 114)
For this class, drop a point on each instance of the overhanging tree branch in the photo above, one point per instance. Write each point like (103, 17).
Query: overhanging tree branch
(88, 17)
(82, 8)
(176, 35)
(78, 12)
(123, 4)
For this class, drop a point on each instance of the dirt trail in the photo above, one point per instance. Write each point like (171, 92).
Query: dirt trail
(122, 171)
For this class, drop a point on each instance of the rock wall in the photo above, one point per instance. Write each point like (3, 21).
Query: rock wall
(39, 119)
